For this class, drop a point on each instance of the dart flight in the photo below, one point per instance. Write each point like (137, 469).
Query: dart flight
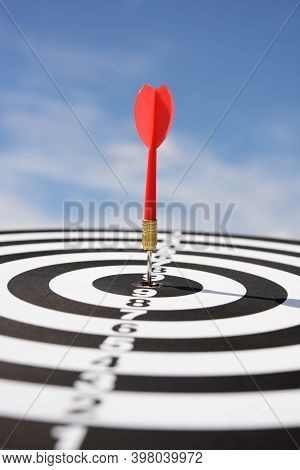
(154, 111)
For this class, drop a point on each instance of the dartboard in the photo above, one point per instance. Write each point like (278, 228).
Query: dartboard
(92, 358)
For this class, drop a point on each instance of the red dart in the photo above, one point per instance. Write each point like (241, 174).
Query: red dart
(154, 111)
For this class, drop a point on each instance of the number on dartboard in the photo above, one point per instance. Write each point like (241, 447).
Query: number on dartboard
(138, 303)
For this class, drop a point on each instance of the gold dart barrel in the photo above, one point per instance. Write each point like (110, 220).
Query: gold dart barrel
(149, 235)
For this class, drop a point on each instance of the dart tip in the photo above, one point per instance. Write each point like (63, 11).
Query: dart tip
(149, 268)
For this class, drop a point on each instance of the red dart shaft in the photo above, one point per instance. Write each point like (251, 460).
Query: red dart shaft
(150, 196)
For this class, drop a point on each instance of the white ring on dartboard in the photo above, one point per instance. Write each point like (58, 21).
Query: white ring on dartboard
(217, 290)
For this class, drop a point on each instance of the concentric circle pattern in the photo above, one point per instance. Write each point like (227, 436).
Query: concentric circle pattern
(90, 356)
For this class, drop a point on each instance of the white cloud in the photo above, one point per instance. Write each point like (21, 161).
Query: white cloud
(264, 197)
(88, 64)
(17, 213)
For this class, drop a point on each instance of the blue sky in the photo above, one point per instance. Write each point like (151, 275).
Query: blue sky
(100, 53)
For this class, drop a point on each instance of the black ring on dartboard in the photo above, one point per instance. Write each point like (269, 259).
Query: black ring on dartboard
(122, 438)
(158, 383)
(271, 339)
(69, 240)
(261, 295)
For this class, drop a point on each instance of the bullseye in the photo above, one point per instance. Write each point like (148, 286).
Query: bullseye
(171, 286)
